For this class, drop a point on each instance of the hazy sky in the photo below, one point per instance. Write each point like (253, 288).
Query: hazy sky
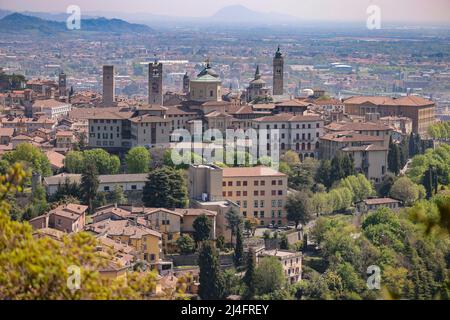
(412, 11)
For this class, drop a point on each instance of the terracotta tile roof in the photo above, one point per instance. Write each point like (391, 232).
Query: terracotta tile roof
(56, 159)
(349, 136)
(408, 101)
(6, 132)
(49, 103)
(195, 212)
(121, 228)
(357, 126)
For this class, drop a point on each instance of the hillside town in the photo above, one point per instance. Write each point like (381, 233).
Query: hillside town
(311, 190)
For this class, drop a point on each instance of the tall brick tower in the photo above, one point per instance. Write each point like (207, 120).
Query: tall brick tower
(155, 83)
(109, 86)
(62, 84)
(278, 69)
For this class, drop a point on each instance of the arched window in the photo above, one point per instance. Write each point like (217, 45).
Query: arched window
(309, 146)
(282, 146)
(297, 146)
(303, 146)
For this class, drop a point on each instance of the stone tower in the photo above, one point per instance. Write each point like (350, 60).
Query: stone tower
(186, 84)
(155, 83)
(109, 85)
(62, 84)
(278, 69)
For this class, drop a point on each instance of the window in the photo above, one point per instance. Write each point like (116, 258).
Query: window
(274, 192)
(261, 214)
(224, 194)
(244, 213)
(238, 193)
(245, 204)
(256, 183)
(256, 193)
(244, 183)
(261, 204)
(274, 182)
(255, 203)
(280, 182)
(263, 183)
(280, 203)
(255, 214)
(274, 203)
(106, 188)
(280, 192)
(230, 193)
(230, 183)
(224, 184)
(262, 193)
(238, 183)
(244, 193)
(134, 187)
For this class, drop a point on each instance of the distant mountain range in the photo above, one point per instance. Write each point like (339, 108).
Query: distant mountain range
(241, 14)
(21, 23)
(235, 14)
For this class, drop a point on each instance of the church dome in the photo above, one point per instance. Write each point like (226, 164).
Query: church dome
(207, 70)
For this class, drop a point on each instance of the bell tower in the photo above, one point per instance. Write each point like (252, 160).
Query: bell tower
(155, 83)
(278, 70)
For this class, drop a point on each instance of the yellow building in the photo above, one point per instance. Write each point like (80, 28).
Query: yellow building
(260, 192)
(145, 241)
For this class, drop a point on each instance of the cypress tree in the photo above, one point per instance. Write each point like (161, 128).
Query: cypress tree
(89, 184)
(211, 278)
(238, 249)
(394, 157)
(250, 277)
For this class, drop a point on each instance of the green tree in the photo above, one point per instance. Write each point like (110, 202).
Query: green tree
(250, 225)
(238, 249)
(299, 208)
(250, 276)
(234, 221)
(89, 185)
(137, 160)
(430, 181)
(105, 163)
(32, 158)
(323, 174)
(165, 188)
(405, 190)
(269, 275)
(186, 244)
(74, 162)
(211, 278)
(394, 162)
(202, 228)
(116, 196)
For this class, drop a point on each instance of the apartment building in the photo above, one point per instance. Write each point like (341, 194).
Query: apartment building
(363, 128)
(420, 110)
(296, 132)
(67, 218)
(369, 152)
(148, 125)
(145, 241)
(110, 130)
(65, 140)
(28, 125)
(51, 108)
(260, 192)
(291, 262)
